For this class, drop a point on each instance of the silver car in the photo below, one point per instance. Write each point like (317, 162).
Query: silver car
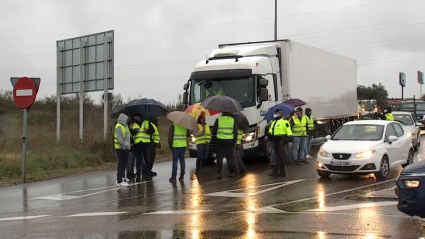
(410, 126)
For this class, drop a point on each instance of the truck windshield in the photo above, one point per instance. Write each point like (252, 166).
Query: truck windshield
(240, 89)
(409, 105)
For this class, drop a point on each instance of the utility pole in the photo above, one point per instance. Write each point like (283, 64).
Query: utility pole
(275, 20)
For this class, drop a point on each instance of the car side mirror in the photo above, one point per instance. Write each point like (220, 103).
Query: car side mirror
(392, 138)
(328, 137)
(264, 94)
(263, 82)
(419, 124)
(186, 86)
(185, 98)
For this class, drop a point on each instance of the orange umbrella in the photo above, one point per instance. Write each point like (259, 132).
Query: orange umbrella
(196, 110)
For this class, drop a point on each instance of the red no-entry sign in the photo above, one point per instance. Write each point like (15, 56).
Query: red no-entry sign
(24, 91)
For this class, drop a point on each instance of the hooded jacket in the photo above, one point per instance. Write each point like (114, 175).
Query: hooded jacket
(124, 142)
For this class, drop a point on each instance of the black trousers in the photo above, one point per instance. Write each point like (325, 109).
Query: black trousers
(122, 159)
(226, 149)
(279, 148)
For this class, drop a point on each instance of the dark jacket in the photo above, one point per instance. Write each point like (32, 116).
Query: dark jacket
(171, 136)
(235, 132)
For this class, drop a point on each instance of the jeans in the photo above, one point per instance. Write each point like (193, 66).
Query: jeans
(130, 164)
(202, 155)
(238, 155)
(226, 149)
(308, 145)
(122, 158)
(143, 167)
(299, 146)
(178, 155)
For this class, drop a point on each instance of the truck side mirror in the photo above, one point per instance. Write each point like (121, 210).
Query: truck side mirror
(185, 98)
(264, 94)
(263, 82)
(186, 86)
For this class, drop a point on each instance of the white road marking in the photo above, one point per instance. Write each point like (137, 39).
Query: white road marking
(233, 193)
(177, 212)
(353, 206)
(96, 214)
(262, 210)
(331, 194)
(66, 196)
(26, 92)
(22, 218)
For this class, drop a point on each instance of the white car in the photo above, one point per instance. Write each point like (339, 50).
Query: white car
(409, 125)
(364, 147)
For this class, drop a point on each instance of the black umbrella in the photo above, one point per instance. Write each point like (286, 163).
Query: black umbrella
(241, 121)
(117, 111)
(222, 104)
(148, 108)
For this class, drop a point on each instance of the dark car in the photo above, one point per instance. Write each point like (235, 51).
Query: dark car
(410, 189)
(408, 106)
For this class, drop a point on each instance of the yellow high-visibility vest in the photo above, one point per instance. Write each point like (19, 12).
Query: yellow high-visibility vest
(299, 128)
(206, 138)
(155, 137)
(240, 135)
(124, 133)
(310, 122)
(225, 127)
(282, 128)
(180, 136)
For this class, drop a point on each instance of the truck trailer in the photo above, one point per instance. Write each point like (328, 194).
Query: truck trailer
(262, 74)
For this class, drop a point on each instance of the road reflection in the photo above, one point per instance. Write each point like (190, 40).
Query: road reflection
(196, 197)
(251, 204)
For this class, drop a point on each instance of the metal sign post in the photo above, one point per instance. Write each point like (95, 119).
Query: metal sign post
(402, 82)
(85, 64)
(24, 93)
(421, 82)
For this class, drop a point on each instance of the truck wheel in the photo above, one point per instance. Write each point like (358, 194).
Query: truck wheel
(384, 169)
(323, 174)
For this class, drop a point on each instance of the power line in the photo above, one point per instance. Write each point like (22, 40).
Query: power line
(221, 23)
(398, 39)
(382, 62)
(384, 58)
(381, 46)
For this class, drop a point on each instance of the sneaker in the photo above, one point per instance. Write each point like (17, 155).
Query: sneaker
(181, 179)
(154, 174)
(219, 176)
(304, 161)
(172, 179)
(138, 180)
(308, 156)
(272, 175)
(123, 184)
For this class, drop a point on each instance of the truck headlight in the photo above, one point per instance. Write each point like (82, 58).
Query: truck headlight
(324, 154)
(249, 137)
(411, 183)
(365, 154)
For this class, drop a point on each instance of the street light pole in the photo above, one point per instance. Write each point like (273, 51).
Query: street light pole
(275, 20)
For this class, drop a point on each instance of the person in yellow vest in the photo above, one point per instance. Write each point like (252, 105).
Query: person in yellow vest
(142, 131)
(202, 140)
(155, 143)
(299, 131)
(177, 141)
(387, 114)
(219, 91)
(311, 127)
(239, 153)
(281, 135)
(122, 146)
(227, 135)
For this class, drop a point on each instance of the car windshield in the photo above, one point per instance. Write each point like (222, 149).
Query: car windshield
(240, 89)
(366, 132)
(403, 119)
(409, 105)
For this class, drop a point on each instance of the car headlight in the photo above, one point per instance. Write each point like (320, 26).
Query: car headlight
(365, 154)
(249, 137)
(192, 138)
(324, 154)
(411, 183)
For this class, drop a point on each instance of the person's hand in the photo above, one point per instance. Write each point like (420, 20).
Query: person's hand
(290, 144)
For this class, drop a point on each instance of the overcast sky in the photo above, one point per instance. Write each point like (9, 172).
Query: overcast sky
(157, 43)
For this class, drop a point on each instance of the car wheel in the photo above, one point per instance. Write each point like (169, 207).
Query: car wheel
(323, 174)
(384, 169)
(410, 158)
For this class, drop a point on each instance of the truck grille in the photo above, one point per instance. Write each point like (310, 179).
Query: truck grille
(342, 168)
(341, 156)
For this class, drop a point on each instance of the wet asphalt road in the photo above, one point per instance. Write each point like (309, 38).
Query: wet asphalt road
(255, 206)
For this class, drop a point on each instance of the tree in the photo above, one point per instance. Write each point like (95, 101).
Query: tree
(377, 92)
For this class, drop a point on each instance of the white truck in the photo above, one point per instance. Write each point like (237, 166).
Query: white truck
(262, 74)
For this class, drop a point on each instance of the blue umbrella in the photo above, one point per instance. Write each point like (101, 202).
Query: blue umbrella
(286, 110)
